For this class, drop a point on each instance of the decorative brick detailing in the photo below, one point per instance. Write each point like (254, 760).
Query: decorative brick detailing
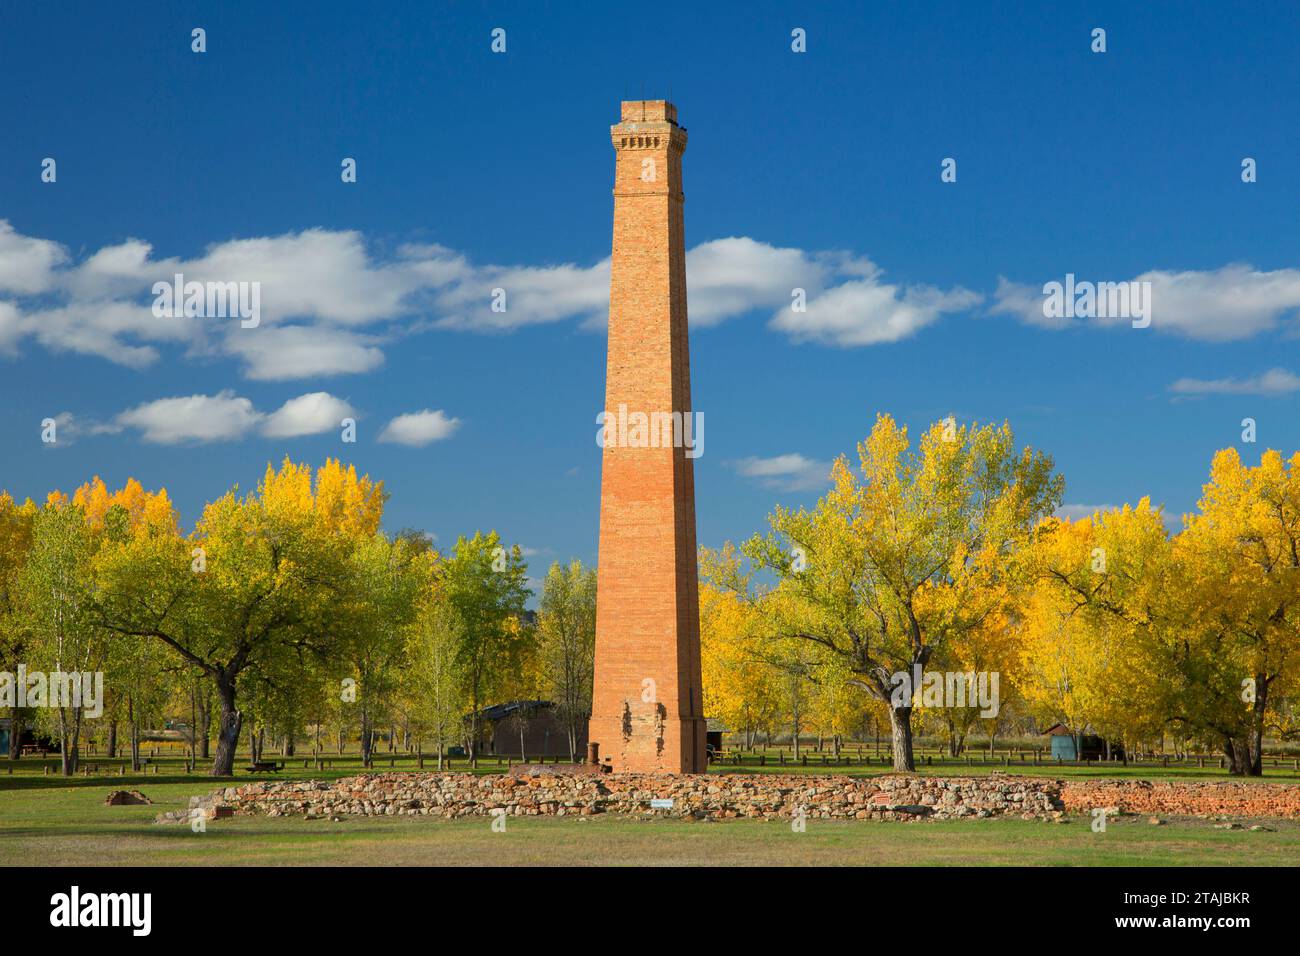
(1193, 798)
(647, 707)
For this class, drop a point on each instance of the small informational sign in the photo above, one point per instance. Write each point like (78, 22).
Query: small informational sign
(661, 803)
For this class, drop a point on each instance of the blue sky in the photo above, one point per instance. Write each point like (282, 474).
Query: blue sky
(478, 170)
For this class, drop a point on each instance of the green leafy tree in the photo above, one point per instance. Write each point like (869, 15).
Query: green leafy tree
(56, 591)
(484, 584)
(566, 625)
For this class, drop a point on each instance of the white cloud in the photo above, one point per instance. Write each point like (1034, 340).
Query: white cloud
(1079, 512)
(329, 306)
(869, 312)
(792, 472)
(419, 428)
(193, 418)
(198, 419)
(67, 429)
(1276, 381)
(297, 351)
(27, 265)
(532, 296)
(308, 414)
(109, 329)
(1220, 305)
(726, 278)
(1025, 303)
(11, 327)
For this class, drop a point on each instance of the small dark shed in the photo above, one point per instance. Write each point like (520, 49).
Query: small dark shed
(1071, 746)
(544, 733)
(714, 729)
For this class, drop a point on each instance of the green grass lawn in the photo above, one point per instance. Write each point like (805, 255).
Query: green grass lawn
(172, 765)
(52, 821)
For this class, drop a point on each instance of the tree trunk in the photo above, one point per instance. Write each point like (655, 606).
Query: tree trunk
(112, 740)
(367, 739)
(473, 730)
(1238, 756)
(15, 732)
(1256, 744)
(205, 727)
(900, 723)
(67, 749)
(230, 722)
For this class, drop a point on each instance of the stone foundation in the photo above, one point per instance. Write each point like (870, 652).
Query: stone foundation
(722, 796)
(727, 796)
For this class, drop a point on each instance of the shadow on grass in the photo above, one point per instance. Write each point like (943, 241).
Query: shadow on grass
(129, 782)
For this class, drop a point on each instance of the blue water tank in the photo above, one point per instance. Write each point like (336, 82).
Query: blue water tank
(1063, 748)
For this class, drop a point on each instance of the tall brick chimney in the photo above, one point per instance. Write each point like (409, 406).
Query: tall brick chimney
(647, 713)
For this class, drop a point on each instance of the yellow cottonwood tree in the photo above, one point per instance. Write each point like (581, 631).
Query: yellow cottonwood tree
(905, 554)
(1241, 558)
(1089, 624)
(739, 690)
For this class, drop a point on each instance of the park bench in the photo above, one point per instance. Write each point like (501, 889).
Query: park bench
(265, 766)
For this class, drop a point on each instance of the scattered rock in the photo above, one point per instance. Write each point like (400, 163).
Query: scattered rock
(126, 798)
(210, 807)
(698, 797)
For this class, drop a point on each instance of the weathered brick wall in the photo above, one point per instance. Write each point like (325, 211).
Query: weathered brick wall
(1190, 798)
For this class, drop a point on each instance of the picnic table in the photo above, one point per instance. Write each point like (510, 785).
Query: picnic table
(265, 766)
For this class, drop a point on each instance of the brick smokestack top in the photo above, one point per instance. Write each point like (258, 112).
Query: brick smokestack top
(647, 711)
(651, 111)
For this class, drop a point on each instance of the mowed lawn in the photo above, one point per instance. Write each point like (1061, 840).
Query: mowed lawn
(49, 821)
